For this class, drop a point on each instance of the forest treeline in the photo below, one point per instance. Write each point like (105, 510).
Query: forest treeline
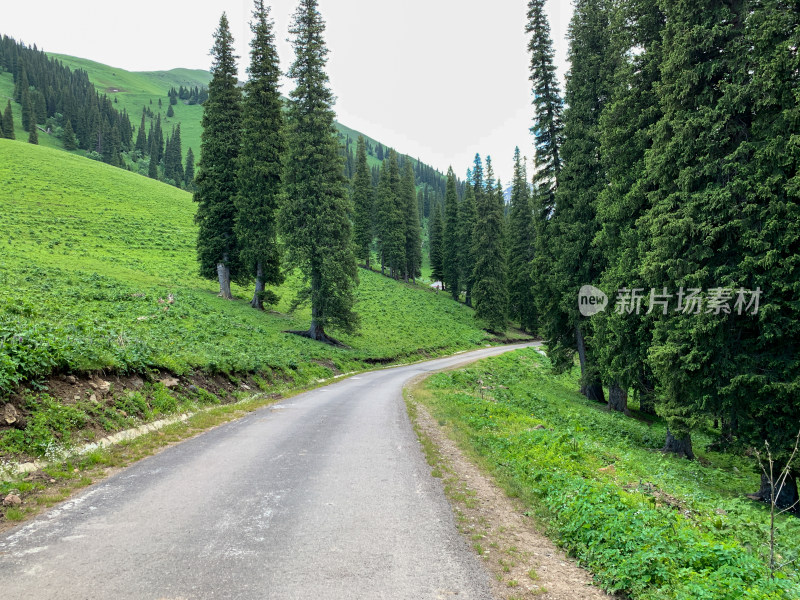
(666, 175)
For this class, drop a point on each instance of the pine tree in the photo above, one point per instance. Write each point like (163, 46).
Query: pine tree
(521, 250)
(315, 215)
(436, 237)
(413, 235)
(188, 174)
(68, 137)
(450, 269)
(363, 204)
(170, 111)
(215, 183)
(573, 259)
(8, 122)
(259, 175)
(489, 292)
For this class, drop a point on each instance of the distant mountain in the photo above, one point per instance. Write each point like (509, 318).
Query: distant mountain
(137, 91)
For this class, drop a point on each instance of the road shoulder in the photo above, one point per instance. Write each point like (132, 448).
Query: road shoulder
(522, 561)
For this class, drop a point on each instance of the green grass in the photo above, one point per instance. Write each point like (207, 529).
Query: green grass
(89, 252)
(654, 527)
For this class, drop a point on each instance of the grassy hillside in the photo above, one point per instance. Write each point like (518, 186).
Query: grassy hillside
(650, 526)
(88, 251)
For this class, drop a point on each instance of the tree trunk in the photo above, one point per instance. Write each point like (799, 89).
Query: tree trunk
(788, 494)
(680, 447)
(258, 302)
(468, 298)
(316, 331)
(594, 391)
(618, 398)
(383, 265)
(646, 394)
(591, 387)
(224, 275)
(367, 263)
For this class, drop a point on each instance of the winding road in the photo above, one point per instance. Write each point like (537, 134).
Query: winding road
(325, 495)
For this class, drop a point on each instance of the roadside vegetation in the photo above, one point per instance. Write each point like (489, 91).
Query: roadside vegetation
(647, 524)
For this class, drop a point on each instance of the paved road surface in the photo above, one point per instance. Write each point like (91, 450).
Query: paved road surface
(323, 496)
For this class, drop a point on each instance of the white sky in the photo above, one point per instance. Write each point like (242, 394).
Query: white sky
(437, 79)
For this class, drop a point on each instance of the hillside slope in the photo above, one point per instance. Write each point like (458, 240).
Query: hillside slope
(91, 254)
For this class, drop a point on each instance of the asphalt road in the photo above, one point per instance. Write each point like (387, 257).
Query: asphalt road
(323, 496)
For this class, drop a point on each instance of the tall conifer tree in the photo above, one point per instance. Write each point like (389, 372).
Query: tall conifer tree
(316, 210)
(699, 207)
(450, 268)
(522, 240)
(574, 261)
(188, 174)
(260, 168)
(413, 235)
(468, 217)
(217, 248)
(436, 242)
(68, 137)
(8, 122)
(141, 138)
(622, 339)
(489, 292)
(363, 204)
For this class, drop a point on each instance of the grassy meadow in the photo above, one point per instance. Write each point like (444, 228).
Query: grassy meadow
(649, 526)
(90, 254)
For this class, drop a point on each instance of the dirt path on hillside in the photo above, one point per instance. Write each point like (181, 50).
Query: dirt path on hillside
(523, 562)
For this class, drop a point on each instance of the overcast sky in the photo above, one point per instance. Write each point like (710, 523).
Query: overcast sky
(438, 79)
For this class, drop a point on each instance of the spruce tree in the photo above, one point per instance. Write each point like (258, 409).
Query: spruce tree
(450, 269)
(548, 132)
(363, 205)
(489, 292)
(522, 240)
(188, 174)
(622, 339)
(413, 235)
(699, 202)
(217, 248)
(33, 133)
(574, 261)
(390, 217)
(141, 138)
(763, 396)
(28, 120)
(316, 210)
(68, 137)
(436, 242)
(170, 111)
(152, 167)
(8, 122)
(468, 217)
(259, 175)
